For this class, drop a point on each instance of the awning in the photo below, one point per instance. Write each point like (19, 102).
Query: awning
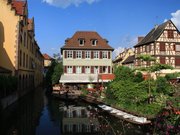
(79, 78)
(86, 78)
(106, 77)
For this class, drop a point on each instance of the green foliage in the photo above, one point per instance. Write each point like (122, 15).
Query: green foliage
(138, 77)
(84, 91)
(123, 73)
(172, 75)
(146, 57)
(162, 86)
(158, 67)
(58, 70)
(129, 91)
(53, 74)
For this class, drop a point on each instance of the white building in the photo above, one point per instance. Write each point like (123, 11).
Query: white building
(86, 57)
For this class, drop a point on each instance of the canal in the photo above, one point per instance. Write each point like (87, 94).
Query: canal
(39, 114)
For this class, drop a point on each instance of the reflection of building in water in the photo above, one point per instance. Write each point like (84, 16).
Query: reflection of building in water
(79, 120)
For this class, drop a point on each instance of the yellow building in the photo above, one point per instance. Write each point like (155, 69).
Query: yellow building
(19, 51)
(118, 61)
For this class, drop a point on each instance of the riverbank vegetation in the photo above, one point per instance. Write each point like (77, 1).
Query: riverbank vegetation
(129, 91)
(53, 74)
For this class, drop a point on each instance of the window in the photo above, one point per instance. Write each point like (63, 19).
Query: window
(162, 47)
(105, 69)
(78, 70)
(81, 42)
(69, 69)
(104, 55)
(23, 59)
(96, 55)
(94, 42)
(69, 54)
(87, 69)
(96, 70)
(87, 54)
(177, 48)
(78, 54)
(26, 61)
(20, 58)
(170, 34)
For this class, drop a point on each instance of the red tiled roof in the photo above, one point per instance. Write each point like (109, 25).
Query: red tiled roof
(18, 6)
(88, 36)
(47, 57)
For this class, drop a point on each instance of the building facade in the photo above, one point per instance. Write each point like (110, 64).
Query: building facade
(118, 61)
(163, 43)
(86, 56)
(19, 51)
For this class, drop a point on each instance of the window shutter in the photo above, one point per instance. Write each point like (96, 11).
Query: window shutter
(109, 69)
(92, 69)
(109, 53)
(174, 47)
(100, 55)
(74, 69)
(83, 69)
(100, 69)
(177, 61)
(65, 69)
(162, 47)
(170, 34)
(162, 60)
(74, 54)
(83, 54)
(92, 57)
(65, 55)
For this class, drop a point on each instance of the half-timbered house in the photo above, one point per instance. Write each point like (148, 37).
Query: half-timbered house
(163, 43)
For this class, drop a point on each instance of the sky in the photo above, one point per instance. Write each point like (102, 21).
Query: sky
(119, 21)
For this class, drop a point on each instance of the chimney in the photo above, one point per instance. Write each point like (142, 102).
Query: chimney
(140, 39)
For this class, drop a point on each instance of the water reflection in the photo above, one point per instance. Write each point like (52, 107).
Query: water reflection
(37, 114)
(22, 117)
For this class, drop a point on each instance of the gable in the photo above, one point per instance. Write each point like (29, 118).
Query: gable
(169, 34)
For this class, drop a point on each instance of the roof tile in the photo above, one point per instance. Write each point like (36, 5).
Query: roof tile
(73, 43)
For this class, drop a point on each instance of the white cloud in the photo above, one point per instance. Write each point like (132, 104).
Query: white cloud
(175, 18)
(66, 3)
(126, 42)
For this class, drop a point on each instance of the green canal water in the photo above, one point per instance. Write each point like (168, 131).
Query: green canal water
(39, 114)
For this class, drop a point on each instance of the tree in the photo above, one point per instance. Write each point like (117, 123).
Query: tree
(58, 70)
(123, 73)
(147, 58)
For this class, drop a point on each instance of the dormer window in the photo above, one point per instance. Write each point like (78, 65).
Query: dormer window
(81, 42)
(94, 42)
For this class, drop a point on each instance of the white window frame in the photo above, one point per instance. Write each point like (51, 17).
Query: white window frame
(69, 69)
(87, 70)
(104, 54)
(78, 70)
(87, 54)
(78, 54)
(96, 54)
(69, 54)
(96, 69)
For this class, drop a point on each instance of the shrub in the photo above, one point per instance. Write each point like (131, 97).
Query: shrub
(172, 76)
